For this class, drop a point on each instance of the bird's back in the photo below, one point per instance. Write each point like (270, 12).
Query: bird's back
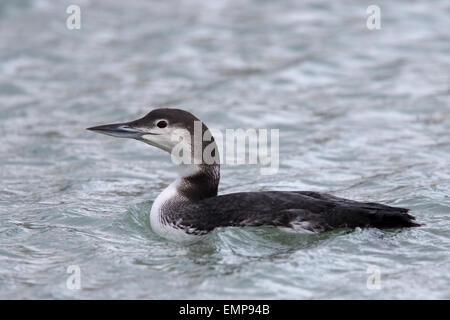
(310, 210)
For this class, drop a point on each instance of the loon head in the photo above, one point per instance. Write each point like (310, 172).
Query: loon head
(186, 138)
(173, 130)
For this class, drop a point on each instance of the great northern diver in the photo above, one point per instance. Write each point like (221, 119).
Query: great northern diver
(190, 207)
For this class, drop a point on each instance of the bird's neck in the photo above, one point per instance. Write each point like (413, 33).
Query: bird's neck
(197, 182)
(199, 179)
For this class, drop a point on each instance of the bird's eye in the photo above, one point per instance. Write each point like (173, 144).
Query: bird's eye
(162, 124)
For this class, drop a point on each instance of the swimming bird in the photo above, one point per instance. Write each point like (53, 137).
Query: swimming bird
(190, 206)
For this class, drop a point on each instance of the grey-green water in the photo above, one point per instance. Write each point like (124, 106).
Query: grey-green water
(362, 114)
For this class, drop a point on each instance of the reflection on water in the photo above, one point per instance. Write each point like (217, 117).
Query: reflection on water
(362, 114)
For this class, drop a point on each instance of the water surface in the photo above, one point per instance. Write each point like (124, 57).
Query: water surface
(362, 114)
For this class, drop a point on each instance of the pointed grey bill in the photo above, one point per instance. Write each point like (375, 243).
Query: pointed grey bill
(120, 130)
